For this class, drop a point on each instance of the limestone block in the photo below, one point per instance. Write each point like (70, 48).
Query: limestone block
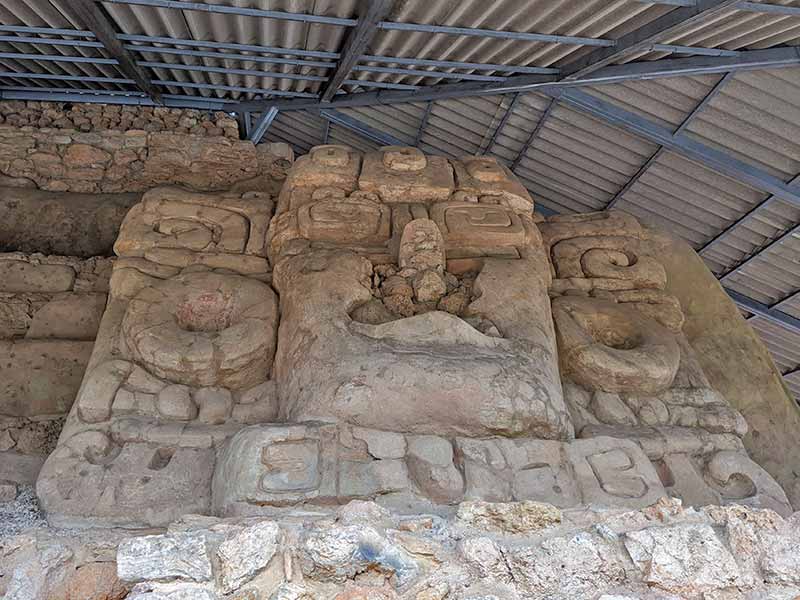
(486, 176)
(22, 276)
(614, 472)
(594, 224)
(429, 286)
(68, 316)
(340, 553)
(684, 559)
(371, 478)
(565, 568)
(213, 329)
(215, 405)
(19, 468)
(431, 464)
(40, 377)
(96, 396)
(324, 166)
(382, 444)
(486, 227)
(356, 219)
(741, 481)
(608, 257)
(172, 556)
(276, 465)
(171, 218)
(175, 402)
(127, 402)
(91, 478)
(422, 246)
(603, 346)
(400, 174)
(509, 517)
(502, 470)
(245, 552)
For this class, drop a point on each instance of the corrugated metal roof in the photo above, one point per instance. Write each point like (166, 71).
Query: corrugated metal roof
(571, 162)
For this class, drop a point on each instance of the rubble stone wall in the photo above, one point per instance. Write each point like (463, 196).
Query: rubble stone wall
(101, 117)
(50, 310)
(127, 161)
(510, 551)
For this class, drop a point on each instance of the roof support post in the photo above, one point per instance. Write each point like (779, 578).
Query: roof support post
(95, 19)
(371, 12)
(262, 125)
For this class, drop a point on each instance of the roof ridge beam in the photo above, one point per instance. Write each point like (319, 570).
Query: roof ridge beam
(98, 22)
(371, 12)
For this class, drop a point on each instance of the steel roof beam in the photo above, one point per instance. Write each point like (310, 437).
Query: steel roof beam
(423, 123)
(715, 160)
(235, 10)
(772, 9)
(112, 97)
(500, 125)
(534, 134)
(370, 13)
(361, 128)
(98, 22)
(262, 125)
(642, 39)
(682, 127)
(696, 65)
(762, 310)
(792, 232)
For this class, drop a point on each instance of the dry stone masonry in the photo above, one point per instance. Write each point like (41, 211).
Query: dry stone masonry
(128, 161)
(50, 310)
(100, 117)
(392, 380)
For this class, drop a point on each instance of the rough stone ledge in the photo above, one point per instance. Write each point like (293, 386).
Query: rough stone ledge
(500, 550)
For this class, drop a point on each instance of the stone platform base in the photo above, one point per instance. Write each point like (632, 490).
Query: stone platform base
(518, 550)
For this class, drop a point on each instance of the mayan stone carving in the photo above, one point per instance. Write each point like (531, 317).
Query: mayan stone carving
(402, 329)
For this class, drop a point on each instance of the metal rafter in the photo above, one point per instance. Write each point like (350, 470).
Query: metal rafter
(696, 65)
(500, 125)
(534, 134)
(423, 123)
(715, 160)
(97, 21)
(370, 13)
(682, 127)
(361, 128)
(762, 310)
(645, 37)
(792, 232)
(748, 215)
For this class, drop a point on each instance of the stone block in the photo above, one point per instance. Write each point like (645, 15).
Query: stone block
(90, 478)
(614, 472)
(68, 316)
(176, 555)
(400, 174)
(686, 559)
(431, 464)
(40, 377)
(23, 276)
(245, 552)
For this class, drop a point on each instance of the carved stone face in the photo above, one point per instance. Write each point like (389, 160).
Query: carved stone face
(366, 334)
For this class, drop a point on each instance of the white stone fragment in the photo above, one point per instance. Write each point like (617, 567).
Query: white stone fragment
(242, 555)
(162, 557)
(685, 559)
